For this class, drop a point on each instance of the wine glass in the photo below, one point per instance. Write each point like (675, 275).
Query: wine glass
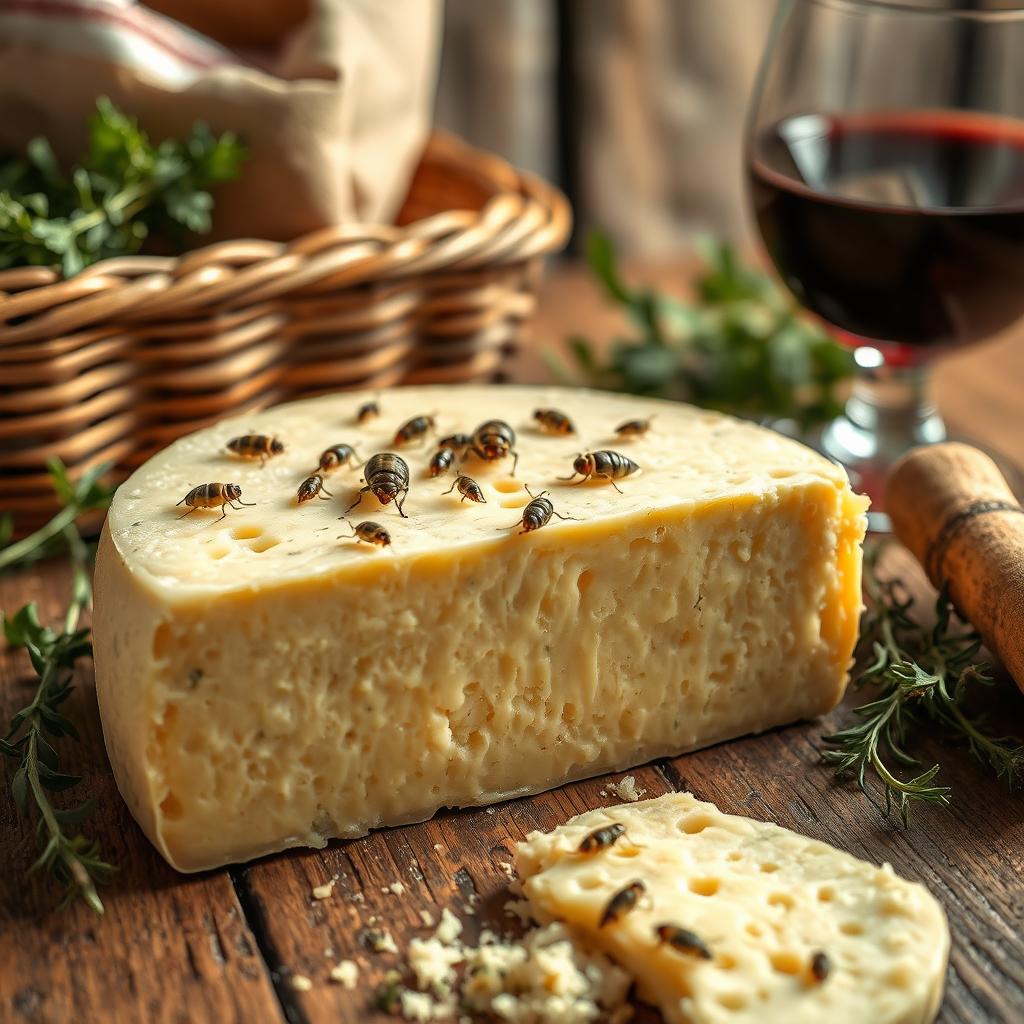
(885, 156)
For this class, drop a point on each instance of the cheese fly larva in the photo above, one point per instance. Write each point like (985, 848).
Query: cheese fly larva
(610, 466)
(256, 446)
(212, 495)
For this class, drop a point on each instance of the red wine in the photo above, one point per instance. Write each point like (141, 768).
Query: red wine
(902, 227)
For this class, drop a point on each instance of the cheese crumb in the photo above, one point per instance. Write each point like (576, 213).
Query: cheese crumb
(507, 867)
(427, 918)
(396, 888)
(627, 790)
(542, 979)
(439, 847)
(345, 973)
(419, 1006)
(382, 942)
(490, 810)
(449, 929)
(519, 909)
(432, 963)
(323, 892)
(301, 983)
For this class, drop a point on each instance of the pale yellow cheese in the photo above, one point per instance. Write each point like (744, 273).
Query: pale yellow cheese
(264, 684)
(762, 899)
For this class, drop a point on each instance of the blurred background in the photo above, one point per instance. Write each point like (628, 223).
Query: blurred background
(634, 108)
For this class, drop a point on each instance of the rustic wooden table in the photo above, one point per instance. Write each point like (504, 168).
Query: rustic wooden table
(223, 946)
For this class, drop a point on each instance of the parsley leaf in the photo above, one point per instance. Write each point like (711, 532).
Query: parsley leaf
(125, 190)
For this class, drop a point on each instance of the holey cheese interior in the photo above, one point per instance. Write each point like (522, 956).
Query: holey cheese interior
(794, 931)
(264, 684)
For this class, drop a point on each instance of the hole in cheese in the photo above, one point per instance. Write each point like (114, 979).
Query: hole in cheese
(733, 1000)
(517, 501)
(583, 581)
(642, 547)
(705, 886)
(508, 485)
(629, 724)
(894, 905)
(826, 894)
(786, 963)
(246, 532)
(781, 899)
(851, 928)
(162, 641)
(217, 553)
(626, 851)
(171, 807)
(694, 823)
(753, 929)
(768, 867)
(899, 977)
(263, 544)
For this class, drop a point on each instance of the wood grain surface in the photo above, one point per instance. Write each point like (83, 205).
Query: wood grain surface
(225, 946)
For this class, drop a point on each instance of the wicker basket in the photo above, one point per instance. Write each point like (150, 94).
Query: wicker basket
(134, 352)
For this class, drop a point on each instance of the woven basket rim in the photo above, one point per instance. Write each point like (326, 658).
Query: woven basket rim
(513, 225)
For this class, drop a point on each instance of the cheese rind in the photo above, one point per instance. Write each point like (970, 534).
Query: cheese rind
(264, 684)
(763, 899)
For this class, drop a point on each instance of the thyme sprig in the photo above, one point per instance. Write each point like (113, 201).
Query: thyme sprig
(923, 676)
(74, 861)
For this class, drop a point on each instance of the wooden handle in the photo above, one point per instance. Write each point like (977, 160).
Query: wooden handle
(950, 505)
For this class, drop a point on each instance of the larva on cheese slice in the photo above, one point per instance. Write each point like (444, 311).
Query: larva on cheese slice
(797, 931)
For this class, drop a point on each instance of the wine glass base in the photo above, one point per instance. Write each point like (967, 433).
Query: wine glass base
(868, 449)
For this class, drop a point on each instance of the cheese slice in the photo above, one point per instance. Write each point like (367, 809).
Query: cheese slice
(764, 901)
(265, 684)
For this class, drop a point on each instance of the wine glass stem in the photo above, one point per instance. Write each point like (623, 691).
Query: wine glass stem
(889, 410)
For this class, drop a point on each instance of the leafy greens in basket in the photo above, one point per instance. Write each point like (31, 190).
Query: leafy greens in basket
(124, 190)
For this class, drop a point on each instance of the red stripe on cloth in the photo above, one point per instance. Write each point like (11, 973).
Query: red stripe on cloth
(132, 19)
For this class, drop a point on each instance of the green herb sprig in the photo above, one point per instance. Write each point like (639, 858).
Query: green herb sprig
(923, 676)
(124, 190)
(741, 347)
(74, 861)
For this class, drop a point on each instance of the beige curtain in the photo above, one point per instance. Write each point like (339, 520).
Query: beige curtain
(497, 86)
(660, 90)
